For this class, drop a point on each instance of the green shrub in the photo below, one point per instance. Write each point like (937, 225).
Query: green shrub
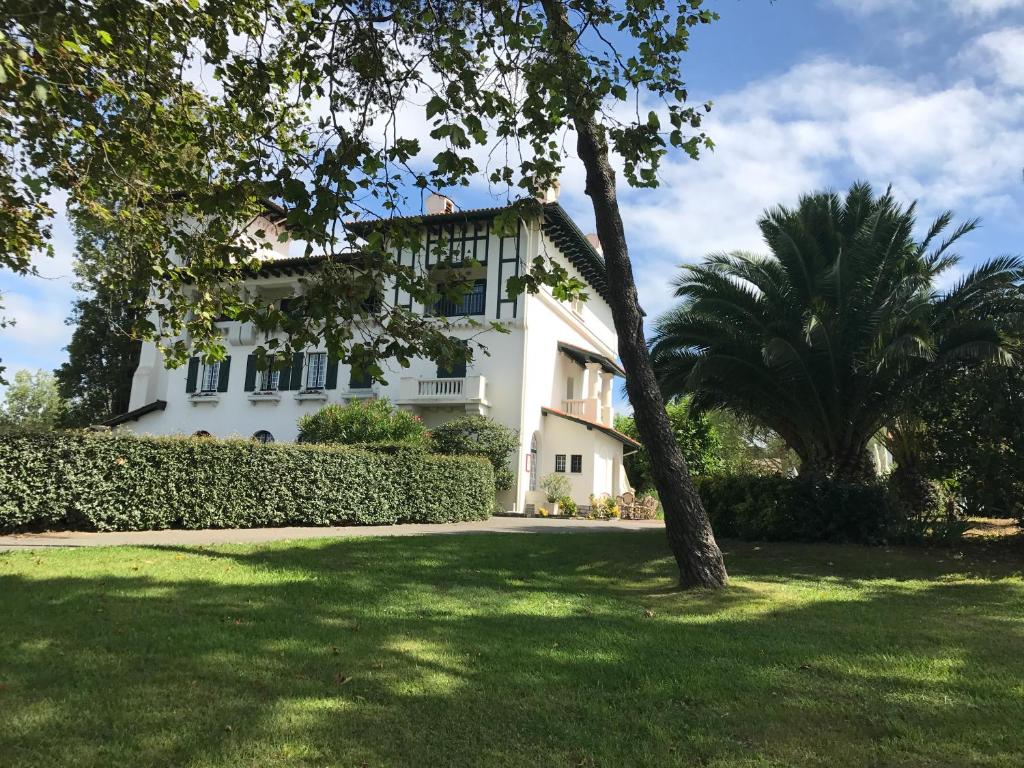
(362, 421)
(568, 506)
(772, 508)
(120, 483)
(695, 434)
(479, 436)
(924, 508)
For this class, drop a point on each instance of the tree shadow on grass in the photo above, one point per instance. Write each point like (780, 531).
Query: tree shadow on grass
(503, 651)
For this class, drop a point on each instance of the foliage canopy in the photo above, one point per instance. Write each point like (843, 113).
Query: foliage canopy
(826, 339)
(171, 123)
(695, 434)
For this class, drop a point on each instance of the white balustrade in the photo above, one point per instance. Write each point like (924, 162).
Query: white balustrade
(575, 407)
(414, 390)
(440, 387)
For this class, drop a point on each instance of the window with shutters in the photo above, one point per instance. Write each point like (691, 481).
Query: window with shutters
(456, 370)
(270, 378)
(576, 463)
(211, 378)
(361, 380)
(316, 370)
(559, 462)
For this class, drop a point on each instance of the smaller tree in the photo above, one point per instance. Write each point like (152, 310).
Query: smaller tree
(972, 437)
(695, 435)
(32, 402)
(96, 380)
(362, 421)
(748, 448)
(479, 436)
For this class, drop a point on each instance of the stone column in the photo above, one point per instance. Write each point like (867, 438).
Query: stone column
(607, 382)
(592, 407)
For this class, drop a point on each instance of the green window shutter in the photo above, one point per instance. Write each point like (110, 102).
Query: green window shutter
(284, 378)
(250, 373)
(297, 360)
(332, 374)
(193, 374)
(225, 370)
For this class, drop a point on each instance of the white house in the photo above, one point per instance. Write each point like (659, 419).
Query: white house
(551, 377)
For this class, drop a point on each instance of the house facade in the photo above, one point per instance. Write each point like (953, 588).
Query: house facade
(550, 377)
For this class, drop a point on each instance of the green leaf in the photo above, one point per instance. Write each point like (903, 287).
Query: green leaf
(436, 106)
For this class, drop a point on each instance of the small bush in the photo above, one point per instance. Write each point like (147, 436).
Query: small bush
(360, 422)
(568, 506)
(924, 508)
(555, 485)
(771, 508)
(124, 483)
(479, 436)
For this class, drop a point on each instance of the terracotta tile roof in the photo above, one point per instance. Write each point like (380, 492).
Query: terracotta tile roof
(611, 432)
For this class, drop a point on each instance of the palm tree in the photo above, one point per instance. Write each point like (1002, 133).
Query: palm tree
(825, 340)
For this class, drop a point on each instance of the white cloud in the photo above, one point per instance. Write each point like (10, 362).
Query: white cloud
(823, 123)
(963, 8)
(39, 319)
(999, 54)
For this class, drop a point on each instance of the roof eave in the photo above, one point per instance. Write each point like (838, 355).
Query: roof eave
(610, 431)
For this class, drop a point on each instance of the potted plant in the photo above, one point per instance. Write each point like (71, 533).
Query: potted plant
(555, 486)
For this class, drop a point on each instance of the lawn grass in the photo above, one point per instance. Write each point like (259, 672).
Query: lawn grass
(509, 650)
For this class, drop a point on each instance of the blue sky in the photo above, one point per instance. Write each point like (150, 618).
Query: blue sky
(925, 94)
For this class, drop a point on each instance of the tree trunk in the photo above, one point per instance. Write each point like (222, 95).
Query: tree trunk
(686, 522)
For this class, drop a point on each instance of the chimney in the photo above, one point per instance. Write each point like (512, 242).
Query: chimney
(437, 204)
(596, 242)
(550, 195)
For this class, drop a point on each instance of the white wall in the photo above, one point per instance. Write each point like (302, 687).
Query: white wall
(524, 372)
(234, 414)
(602, 456)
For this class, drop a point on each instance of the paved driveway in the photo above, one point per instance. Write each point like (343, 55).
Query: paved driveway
(259, 535)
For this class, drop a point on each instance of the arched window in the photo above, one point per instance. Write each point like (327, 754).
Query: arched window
(201, 433)
(263, 437)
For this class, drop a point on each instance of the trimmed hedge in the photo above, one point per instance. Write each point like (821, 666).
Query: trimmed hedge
(114, 482)
(771, 508)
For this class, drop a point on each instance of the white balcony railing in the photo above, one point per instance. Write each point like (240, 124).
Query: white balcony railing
(575, 408)
(417, 391)
(591, 409)
(440, 387)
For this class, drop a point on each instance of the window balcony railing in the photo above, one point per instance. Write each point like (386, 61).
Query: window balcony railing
(440, 387)
(423, 391)
(575, 407)
(472, 303)
(591, 409)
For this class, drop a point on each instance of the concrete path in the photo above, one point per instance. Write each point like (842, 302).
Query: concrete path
(261, 535)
